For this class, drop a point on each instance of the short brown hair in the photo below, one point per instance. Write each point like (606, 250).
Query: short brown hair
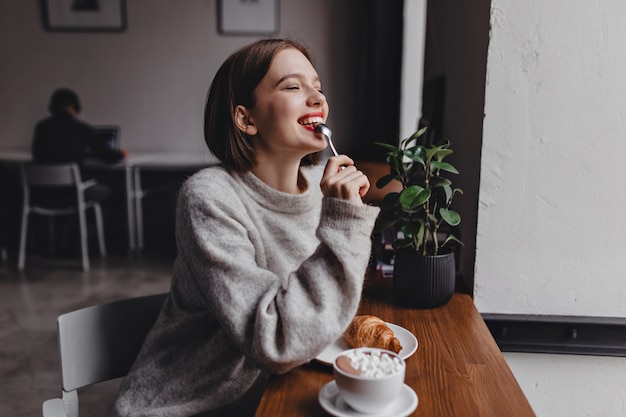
(234, 84)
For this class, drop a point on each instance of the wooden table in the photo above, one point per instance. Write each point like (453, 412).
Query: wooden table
(457, 369)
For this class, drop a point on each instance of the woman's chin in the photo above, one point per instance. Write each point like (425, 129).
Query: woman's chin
(320, 146)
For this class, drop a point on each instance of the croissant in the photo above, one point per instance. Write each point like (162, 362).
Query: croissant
(371, 331)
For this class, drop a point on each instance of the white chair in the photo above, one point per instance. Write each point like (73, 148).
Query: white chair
(58, 176)
(100, 343)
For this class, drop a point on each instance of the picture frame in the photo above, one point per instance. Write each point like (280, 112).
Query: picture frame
(248, 17)
(84, 15)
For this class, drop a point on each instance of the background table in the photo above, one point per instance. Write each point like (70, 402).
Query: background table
(132, 166)
(160, 161)
(457, 369)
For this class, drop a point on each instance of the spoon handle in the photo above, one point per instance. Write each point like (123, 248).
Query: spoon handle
(328, 135)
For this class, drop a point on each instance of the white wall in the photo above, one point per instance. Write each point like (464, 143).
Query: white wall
(152, 79)
(414, 39)
(551, 220)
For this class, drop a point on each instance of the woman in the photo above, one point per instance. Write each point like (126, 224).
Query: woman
(272, 249)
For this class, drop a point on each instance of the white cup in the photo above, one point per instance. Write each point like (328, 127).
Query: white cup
(369, 394)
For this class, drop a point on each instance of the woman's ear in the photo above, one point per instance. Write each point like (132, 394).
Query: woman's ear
(243, 121)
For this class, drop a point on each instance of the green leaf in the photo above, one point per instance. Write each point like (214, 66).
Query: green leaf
(390, 200)
(452, 238)
(431, 152)
(444, 166)
(448, 190)
(413, 197)
(437, 182)
(383, 181)
(419, 236)
(441, 153)
(394, 165)
(417, 157)
(383, 222)
(387, 146)
(449, 216)
(411, 229)
(417, 134)
(421, 151)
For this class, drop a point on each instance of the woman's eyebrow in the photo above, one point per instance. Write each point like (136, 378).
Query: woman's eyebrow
(294, 75)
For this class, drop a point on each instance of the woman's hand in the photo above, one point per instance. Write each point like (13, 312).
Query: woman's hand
(342, 180)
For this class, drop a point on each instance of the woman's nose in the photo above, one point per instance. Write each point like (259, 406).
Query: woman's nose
(316, 98)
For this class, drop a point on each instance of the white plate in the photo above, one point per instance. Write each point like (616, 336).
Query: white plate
(332, 403)
(407, 340)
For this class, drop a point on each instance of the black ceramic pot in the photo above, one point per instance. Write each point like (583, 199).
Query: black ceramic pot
(423, 281)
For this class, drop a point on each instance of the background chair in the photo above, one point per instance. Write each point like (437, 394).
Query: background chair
(100, 343)
(58, 176)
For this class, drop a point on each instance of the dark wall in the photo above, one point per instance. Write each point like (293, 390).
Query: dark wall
(455, 64)
(375, 31)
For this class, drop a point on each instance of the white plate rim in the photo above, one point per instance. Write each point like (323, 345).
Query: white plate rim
(406, 339)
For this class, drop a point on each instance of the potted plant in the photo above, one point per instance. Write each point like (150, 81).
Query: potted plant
(422, 221)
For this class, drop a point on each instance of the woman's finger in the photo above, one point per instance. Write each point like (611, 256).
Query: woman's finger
(337, 163)
(348, 184)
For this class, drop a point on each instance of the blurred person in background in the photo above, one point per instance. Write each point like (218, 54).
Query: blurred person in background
(63, 138)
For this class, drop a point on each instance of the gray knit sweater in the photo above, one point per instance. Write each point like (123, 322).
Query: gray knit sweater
(263, 282)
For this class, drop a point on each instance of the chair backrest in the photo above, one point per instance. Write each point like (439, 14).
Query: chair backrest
(50, 175)
(101, 343)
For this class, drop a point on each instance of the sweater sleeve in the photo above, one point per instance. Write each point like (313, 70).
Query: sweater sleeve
(278, 323)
